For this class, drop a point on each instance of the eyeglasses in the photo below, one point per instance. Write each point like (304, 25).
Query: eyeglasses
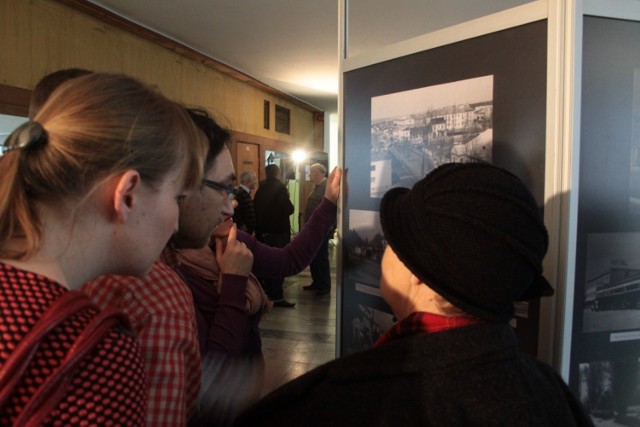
(230, 190)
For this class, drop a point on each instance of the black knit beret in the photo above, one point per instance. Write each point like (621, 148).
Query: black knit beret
(474, 234)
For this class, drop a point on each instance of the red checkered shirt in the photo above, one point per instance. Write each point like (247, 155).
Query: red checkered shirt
(422, 322)
(160, 307)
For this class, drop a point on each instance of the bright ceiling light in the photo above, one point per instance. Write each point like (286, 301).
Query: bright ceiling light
(298, 156)
(323, 84)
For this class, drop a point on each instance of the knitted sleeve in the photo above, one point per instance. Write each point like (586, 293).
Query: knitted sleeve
(296, 256)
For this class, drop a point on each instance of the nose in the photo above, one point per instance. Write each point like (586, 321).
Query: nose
(229, 206)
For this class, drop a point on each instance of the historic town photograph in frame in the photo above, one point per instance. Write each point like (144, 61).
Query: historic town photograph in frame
(415, 131)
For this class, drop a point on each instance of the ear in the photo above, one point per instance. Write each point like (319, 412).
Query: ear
(414, 280)
(124, 196)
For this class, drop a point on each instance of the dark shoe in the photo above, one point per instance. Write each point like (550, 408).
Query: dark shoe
(284, 303)
(311, 287)
(323, 291)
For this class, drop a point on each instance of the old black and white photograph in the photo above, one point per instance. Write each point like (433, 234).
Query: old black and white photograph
(368, 325)
(478, 99)
(634, 182)
(414, 131)
(612, 282)
(609, 391)
(365, 244)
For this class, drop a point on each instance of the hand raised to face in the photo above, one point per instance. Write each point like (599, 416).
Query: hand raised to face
(233, 256)
(332, 192)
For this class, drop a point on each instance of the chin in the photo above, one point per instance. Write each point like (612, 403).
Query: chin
(222, 228)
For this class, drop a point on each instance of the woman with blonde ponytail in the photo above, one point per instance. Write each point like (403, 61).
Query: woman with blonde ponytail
(89, 186)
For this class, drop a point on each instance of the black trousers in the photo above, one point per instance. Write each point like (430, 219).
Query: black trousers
(320, 269)
(273, 286)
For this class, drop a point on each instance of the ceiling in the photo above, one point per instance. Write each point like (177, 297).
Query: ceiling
(292, 45)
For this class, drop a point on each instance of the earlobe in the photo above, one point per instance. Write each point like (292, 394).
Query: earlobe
(125, 193)
(415, 280)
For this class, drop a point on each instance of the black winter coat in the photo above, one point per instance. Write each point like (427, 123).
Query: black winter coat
(469, 376)
(273, 207)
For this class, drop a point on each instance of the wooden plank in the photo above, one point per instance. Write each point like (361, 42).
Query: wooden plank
(14, 101)
(111, 18)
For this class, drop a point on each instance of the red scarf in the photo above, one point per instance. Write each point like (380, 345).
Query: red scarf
(428, 323)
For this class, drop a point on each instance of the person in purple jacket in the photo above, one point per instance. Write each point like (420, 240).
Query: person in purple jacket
(228, 299)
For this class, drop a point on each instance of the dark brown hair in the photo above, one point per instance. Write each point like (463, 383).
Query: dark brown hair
(49, 83)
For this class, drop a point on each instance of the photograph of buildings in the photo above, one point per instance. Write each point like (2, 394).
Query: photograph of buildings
(365, 244)
(612, 283)
(368, 325)
(609, 391)
(634, 181)
(414, 131)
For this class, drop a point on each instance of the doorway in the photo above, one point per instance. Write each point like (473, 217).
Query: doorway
(248, 160)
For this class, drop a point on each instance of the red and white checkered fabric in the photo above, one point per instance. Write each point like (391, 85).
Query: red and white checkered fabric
(160, 307)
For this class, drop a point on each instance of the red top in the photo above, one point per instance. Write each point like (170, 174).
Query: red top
(160, 308)
(422, 322)
(108, 385)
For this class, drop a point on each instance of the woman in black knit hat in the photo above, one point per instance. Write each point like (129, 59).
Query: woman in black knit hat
(464, 244)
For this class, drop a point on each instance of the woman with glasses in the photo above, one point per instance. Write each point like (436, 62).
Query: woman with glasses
(90, 186)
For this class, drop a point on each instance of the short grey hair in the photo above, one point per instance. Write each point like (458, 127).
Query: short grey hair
(247, 176)
(319, 168)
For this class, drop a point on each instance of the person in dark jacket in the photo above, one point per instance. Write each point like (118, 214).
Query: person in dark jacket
(244, 215)
(273, 208)
(464, 244)
(320, 267)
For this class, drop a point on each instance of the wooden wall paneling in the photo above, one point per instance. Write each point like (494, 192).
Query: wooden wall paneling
(247, 159)
(15, 43)
(62, 38)
(255, 100)
(90, 9)
(211, 92)
(302, 126)
(254, 118)
(49, 35)
(251, 94)
(136, 57)
(89, 43)
(41, 36)
(14, 101)
(153, 64)
(168, 68)
(193, 77)
(318, 131)
(174, 65)
(190, 75)
(233, 96)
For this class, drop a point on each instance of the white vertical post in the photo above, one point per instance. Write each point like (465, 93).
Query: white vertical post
(343, 31)
(561, 178)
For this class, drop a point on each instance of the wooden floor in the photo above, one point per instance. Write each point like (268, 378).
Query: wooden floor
(296, 340)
